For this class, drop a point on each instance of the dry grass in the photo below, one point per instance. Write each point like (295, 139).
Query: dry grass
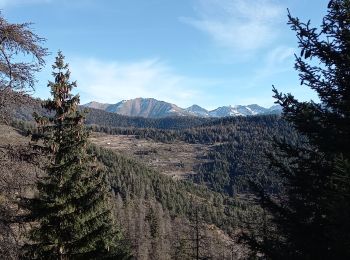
(11, 136)
(174, 159)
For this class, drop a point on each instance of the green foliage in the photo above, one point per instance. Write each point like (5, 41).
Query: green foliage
(237, 153)
(134, 182)
(131, 179)
(106, 119)
(209, 131)
(72, 212)
(310, 219)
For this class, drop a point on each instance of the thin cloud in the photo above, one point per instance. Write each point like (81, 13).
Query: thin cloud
(241, 25)
(276, 63)
(111, 82)
(278, 60)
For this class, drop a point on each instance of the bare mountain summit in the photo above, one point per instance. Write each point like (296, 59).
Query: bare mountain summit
(145, 107)
(153, 108)
(96, 105)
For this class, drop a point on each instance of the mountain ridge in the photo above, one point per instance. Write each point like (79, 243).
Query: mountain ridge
(153, 108)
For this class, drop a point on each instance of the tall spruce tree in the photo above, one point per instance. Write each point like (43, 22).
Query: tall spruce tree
(310, 219)
(72, 210)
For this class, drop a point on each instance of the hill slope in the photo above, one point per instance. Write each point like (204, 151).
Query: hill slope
(153, 210)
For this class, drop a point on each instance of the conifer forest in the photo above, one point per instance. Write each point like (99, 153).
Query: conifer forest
(124, 181)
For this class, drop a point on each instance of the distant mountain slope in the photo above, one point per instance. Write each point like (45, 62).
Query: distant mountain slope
(96, 105)
(152, 108)
(100, 117)
(146, 107)
(197, 111)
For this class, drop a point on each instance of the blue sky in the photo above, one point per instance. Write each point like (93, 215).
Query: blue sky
(205, 52)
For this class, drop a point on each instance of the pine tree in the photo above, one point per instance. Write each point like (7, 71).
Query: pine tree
(197, 237)
(310, 220)
(73, 207)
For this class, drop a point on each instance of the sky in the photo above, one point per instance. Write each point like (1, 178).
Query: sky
(206, 52)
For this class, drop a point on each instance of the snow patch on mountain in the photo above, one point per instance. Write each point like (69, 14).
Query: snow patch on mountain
(152, 108)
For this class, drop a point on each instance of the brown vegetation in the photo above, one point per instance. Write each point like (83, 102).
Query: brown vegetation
(178, 159)
(18, 174)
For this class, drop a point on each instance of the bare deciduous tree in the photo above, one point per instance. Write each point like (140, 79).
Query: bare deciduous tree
(21, 56)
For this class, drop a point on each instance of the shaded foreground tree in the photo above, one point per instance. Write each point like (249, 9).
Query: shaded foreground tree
(72, 211)
(17, 170)
(310, 219)
(21, 55)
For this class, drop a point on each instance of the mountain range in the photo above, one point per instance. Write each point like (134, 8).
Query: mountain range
(153, 108)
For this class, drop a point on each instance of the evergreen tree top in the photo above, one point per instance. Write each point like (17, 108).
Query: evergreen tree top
(326, 123)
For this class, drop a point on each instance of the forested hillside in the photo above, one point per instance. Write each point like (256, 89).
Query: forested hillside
(236, 152)
(157, 213)
(238, 148)
(79, 183)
